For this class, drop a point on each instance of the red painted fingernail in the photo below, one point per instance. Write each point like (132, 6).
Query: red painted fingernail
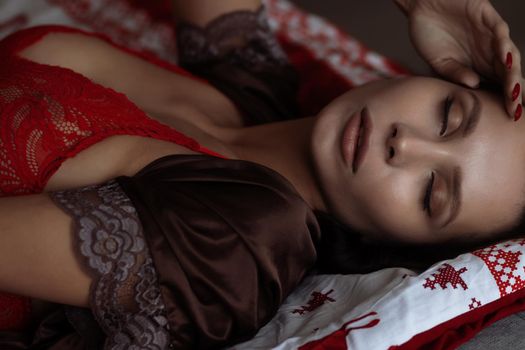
(509, 60)
(517, 114)
(516, 91)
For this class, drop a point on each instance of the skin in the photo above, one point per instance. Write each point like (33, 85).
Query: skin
(384, 197)
(38, 260)
(53, 264)
(310, 160)
(464, 41)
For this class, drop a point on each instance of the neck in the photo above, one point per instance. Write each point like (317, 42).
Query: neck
(285, 148)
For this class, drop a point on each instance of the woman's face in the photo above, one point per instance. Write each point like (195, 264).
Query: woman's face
(439, 162)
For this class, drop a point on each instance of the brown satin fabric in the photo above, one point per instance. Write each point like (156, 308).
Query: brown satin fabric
(230, 240)
(242, 235)
(262, 97)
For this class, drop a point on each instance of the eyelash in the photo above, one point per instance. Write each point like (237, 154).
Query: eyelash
(444, 124)
(428, 195)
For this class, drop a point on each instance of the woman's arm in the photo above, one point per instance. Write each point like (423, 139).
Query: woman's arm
(36, 252)
(200, 12)
(86, 247)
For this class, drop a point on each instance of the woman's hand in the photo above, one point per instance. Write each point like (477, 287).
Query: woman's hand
(465, 39)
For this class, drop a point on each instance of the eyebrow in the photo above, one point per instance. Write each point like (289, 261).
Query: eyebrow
(457, 177)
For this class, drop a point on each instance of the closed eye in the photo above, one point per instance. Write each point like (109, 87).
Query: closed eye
(428, 195)
(446, 111)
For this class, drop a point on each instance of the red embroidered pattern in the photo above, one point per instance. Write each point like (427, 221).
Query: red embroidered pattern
(337, 339)
(48, 114)
(318, 299)
(474, 304)
(446, 274)
(503, 266)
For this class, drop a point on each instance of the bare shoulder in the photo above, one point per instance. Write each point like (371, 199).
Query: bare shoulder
(161, 93)
(76, 51)
(191, 107)
(121, 155)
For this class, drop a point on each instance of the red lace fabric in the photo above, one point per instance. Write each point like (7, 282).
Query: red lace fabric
(48, 114)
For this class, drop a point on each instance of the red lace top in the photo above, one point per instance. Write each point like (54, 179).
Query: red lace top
(48, 114)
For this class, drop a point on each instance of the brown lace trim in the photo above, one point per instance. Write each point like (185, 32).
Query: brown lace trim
(124, 297)
(240, 38)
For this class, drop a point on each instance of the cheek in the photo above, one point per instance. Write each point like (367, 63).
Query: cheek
(391, 207)
(492, 186)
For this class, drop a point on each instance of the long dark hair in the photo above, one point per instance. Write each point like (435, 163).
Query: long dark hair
(342, 250)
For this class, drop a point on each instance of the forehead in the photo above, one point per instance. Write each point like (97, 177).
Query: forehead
(493, 167)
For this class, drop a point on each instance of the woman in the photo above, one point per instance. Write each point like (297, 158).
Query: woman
(163, 244)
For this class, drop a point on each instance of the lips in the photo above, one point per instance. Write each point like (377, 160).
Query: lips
(356, 139)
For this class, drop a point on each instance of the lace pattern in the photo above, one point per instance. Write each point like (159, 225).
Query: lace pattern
(240, 38)
(124, 297)
(49, 113)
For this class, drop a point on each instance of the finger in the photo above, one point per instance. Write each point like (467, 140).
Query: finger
(508, 65)
(511, 77)
(457, 72)
(500, 33)
(513, 90)
(503, 44)
(491, 18)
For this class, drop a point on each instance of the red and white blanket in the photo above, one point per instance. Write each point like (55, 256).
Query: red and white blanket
(389, 309)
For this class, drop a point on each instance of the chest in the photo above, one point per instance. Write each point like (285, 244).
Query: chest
(126, 154)
(178, 103)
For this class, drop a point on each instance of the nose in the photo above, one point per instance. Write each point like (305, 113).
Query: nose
(405, 146)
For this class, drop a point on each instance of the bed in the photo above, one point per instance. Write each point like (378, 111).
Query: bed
(439, 308)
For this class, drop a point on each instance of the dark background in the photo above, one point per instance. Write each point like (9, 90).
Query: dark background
(382, 27)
